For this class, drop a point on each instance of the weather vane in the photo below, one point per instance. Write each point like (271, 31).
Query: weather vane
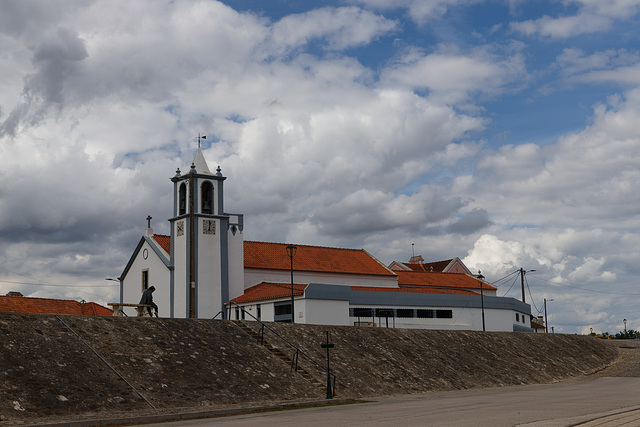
(201, 137)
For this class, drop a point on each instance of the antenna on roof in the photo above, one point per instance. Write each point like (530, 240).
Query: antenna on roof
(201, 137)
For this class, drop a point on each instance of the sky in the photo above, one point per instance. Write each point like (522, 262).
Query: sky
(501, 132)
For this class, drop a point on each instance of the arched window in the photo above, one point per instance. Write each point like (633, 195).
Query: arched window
(207, 198)
(182, 200)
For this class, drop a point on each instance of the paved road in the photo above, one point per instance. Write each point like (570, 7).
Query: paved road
(563, 404)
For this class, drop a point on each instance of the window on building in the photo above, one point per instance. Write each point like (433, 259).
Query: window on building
(145, 280)
(182, 199)
(425, 314)
(237, 313)
(517, 317)
(384, 312)
(207, 198)
(282, 309)
(361, 312)
(405, 312)
(444, 314)
(258, 311)
(242, 313)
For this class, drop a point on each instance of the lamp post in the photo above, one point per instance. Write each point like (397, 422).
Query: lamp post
(481, 278)
(625, 326)
(291, 251)
(546, 324)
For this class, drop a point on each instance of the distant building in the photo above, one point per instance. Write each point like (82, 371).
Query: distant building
(416, 263)
(205, 269)
(14, 302)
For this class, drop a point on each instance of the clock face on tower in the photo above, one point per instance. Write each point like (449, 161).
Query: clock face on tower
(208, 226)
(180, 228)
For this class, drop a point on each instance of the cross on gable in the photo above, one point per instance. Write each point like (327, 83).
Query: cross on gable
(149, 218)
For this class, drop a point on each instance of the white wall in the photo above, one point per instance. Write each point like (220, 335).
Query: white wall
(180, 273)
(322, 312)
(208, 281)
(254, 276)
(158, 277)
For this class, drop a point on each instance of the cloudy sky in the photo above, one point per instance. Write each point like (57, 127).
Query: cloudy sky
(503, 132)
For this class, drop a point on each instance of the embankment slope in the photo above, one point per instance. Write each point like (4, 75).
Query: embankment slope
(48, 370)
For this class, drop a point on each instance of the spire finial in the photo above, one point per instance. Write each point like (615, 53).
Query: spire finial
(201, 137)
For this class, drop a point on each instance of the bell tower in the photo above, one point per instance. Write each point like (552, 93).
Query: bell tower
(206, 244)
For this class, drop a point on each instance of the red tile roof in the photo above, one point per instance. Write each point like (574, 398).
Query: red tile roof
(51, 306)
(266, 291)
(415, 290)
(438, 266)
(164, 242)
(273, 256)
(440, 280)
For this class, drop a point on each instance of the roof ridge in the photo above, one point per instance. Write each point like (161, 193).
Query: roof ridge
(307, 246)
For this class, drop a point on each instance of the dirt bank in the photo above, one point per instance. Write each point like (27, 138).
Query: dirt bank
(75, 367)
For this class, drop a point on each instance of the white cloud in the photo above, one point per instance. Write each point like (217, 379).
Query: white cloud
(341, 27)
(593, 16)
(452, 76)
(421, 11)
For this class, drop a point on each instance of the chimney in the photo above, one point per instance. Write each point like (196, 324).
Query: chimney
(417, 259)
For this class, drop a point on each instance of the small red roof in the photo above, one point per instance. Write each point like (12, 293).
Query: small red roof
(164, 242)
(273, 256)
(440, 280)
(437, 266)
(266, 291)
(51, 306)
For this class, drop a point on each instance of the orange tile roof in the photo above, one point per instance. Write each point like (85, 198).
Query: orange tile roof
(415, 290)
(440, 280)
(51, 306)
(164, 242)
(273, 256)
(438, 266)
(266, 291)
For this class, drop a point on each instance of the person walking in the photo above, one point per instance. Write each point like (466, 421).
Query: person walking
(147, 298)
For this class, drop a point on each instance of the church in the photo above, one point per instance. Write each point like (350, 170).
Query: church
(205, 269)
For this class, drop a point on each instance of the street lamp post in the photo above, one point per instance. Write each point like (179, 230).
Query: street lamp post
(291, 251)
(481, 278)
(546, 323)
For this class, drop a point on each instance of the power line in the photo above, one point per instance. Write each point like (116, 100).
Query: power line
(532, 301)
(512, 283)
(51, 284)
(584, 289)
(510, 274)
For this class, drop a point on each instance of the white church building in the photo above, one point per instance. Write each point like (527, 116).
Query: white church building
(205, 269)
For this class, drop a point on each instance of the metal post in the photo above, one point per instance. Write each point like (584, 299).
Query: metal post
(328, 346)
(481, 278)
(546, 322)
(291, 251)
(522, 282)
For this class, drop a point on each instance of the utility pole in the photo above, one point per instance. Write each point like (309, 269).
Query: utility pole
(522, 273)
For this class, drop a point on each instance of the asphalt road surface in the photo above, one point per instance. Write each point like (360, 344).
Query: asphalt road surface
(562, 404)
